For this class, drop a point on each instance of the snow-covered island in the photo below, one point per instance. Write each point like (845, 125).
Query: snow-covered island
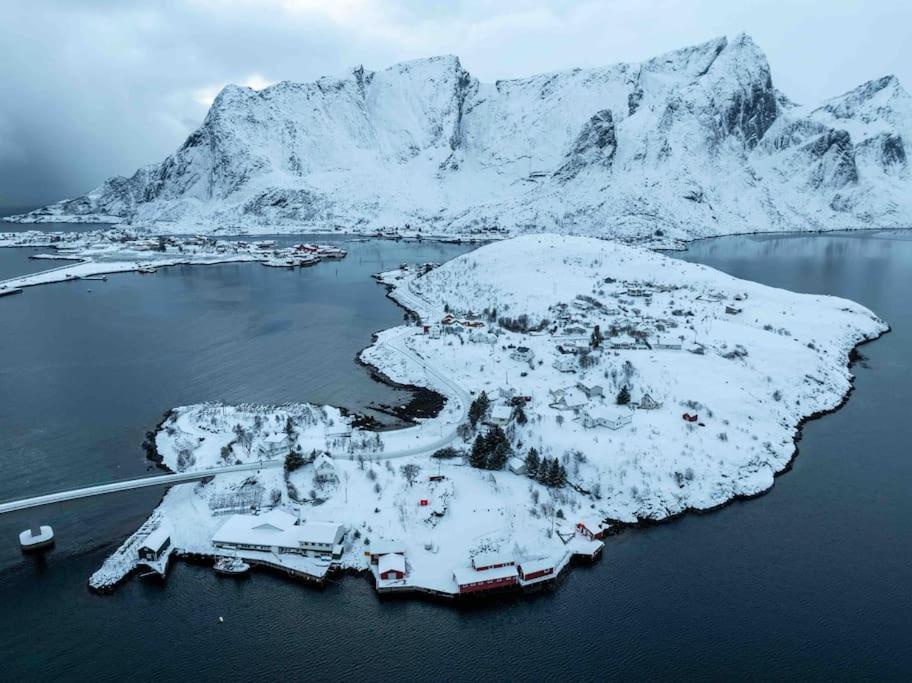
(588, 385)
(97, 253)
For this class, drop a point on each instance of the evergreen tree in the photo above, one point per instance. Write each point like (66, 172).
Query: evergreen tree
(520, 415)
(596, 339)
(532, 462)
(623, 397)
(554, 475)
(479, 454)
(293, 461)
(563, 476)
(479, 408)
(543, 470)
(499, 456)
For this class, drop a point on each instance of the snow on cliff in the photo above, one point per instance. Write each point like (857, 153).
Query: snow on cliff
(695, 142)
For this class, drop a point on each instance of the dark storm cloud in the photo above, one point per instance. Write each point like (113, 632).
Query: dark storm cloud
(89, 89)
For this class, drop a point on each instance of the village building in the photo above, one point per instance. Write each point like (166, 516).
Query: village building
(324, 469)
(501, 415)
(472, 581)
(154, 545)
(610, 416)
(495, 560)
(648, 403)
(278, 532)
(592, 528)
(565, 363)
(391, 567)
(536, 569)
(568, 399)
(273, 446)
(383, 547)
(667, 343)
(591, 390)
(516, 466)
(522, 354)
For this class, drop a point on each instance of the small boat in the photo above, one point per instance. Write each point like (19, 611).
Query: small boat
(36, 538)
(232, 566)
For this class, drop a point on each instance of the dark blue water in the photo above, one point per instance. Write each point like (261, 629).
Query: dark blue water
(809, 581)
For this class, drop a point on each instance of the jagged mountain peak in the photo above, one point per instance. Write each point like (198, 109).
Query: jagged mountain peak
(694, 142)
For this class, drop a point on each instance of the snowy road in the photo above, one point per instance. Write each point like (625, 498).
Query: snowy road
(130, 484)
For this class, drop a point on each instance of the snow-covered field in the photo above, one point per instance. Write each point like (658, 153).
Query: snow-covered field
(515, 319)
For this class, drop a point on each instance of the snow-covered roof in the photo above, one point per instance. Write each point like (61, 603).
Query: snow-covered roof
(490, 559)
(276, 528)
(593, 523)
(156, 539)
(530, 566)
(516, 463)
(467, 575)
(391, 561)
(501, 412)
(382, 547)
(574, 397)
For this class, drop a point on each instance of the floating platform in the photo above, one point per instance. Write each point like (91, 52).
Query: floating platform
(35, 539)
(8, 292)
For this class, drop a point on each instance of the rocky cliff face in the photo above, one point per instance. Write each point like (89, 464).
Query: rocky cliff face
(695, 142)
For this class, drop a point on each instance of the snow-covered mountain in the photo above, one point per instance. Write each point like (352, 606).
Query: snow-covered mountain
(695, 142)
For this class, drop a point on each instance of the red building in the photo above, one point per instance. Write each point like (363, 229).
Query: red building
(592, 528)
(492, 561)
(535, 569)
(391, 567)
(472, 581)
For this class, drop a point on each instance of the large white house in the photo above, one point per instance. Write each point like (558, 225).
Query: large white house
(278, 532)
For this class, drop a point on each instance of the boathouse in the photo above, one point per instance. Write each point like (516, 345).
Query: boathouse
(472, 581)
(382, 547)
(485, 561)
(536, 569)
(592, 528)
(155, 545)
(391, 566)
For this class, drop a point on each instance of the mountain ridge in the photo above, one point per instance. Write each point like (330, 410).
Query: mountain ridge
(694, 142)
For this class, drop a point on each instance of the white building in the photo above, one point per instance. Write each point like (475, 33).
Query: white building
(501, 415)
(522, 354)
(610, 416)
(564, 363)
(516, 466)
(568, 399)
(278, 532)
(324, 469)
(273, 446)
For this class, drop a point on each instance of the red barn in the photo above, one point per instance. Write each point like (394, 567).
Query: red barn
(391, 567)
(472, 581)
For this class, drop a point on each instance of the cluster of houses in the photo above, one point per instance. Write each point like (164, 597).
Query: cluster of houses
(587, 401)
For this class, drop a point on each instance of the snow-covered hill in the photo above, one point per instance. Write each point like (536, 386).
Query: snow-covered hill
(695, 142)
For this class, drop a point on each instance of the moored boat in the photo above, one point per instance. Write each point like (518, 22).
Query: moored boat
(232, 566)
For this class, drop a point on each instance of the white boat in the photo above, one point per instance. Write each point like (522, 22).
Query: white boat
(39, 537)
(231, 566)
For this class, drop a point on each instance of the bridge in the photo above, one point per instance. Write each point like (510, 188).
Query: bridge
(130, 484)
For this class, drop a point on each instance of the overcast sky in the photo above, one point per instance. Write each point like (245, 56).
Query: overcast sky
(94, 88)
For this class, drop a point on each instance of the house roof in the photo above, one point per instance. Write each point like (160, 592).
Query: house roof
(156, 539)
(488, 559)
(392, 561)
(574, 397)
(501, 412)
(609, 412)
(382, 547)
(529, 566)
(276, 528)
(593, 523)
(466, 575)
(515, 463)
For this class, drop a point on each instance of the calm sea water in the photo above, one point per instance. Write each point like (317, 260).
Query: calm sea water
(809, 581)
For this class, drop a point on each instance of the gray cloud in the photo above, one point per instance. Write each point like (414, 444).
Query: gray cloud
(95, 88)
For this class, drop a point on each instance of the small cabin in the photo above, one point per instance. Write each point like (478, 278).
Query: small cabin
(391, 567)
(592, 528)
(535, 569)
(155, 545)
(484, 561)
